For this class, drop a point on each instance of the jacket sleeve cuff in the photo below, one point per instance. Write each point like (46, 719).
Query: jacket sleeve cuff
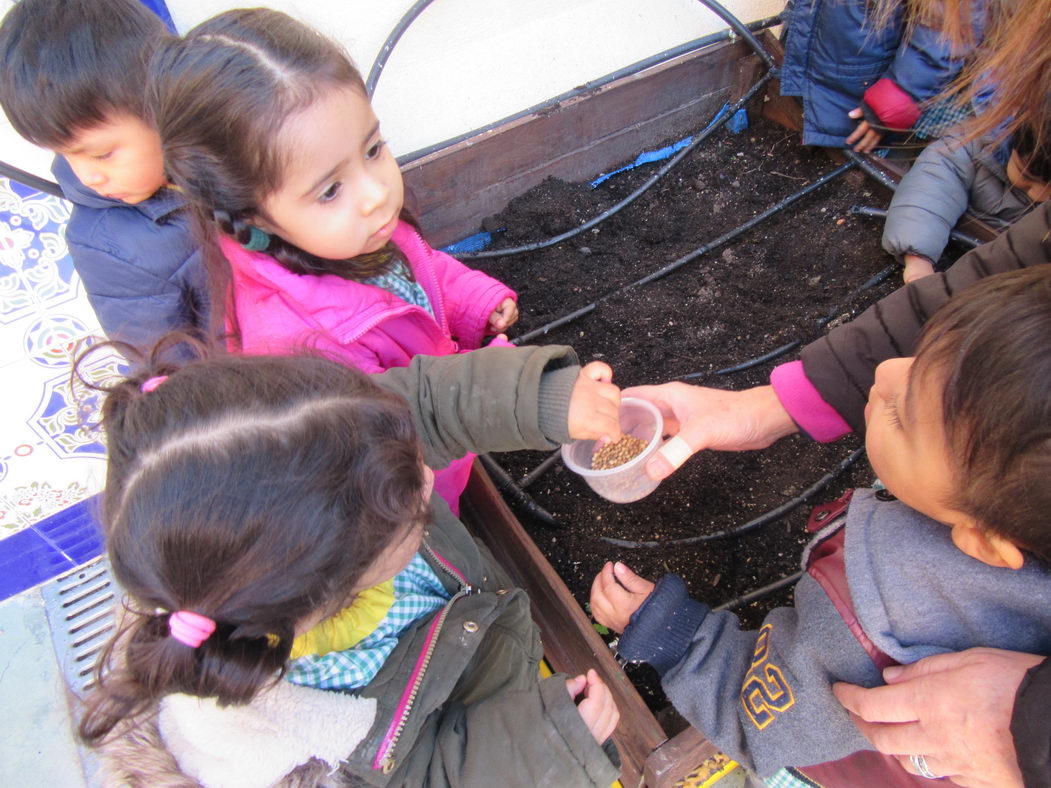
(895, 108)
(661, 630)
(1030, 728)
(804, 404)
(556, 391)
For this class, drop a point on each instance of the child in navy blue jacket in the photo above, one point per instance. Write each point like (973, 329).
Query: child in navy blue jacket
(72, 79)
(953, 554)
(860, 77)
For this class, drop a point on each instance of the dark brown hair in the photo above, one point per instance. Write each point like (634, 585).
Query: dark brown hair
(991, 348)
(254, 491)
(68, 65)
(219, 98)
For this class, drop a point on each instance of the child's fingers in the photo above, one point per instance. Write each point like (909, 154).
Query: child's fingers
(859, 131)
(631, 581)
(855, 113)
(598, 371)
(576, 685)
(603, 711)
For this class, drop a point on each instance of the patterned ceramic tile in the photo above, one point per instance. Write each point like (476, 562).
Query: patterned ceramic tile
(51, 452)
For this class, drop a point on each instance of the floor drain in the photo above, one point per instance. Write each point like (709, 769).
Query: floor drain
(80, 606)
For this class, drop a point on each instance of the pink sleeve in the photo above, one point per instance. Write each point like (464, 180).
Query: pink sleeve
(804, 404)
(470, 298)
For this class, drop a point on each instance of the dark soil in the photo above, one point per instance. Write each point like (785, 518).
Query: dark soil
(765, 289)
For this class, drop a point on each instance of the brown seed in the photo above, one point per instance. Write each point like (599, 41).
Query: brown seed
(613, 455)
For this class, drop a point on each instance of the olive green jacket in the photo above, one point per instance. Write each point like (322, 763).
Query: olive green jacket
(459, 702)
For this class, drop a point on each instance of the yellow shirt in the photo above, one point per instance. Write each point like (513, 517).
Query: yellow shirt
(349, 626)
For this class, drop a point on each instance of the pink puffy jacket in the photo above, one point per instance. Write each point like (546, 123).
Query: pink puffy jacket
(282, 312)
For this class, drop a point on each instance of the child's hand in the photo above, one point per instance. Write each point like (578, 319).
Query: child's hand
(916, 267)
(594, 407)
(616, 594)
(598, 710)
(864, 135)
(503, 316)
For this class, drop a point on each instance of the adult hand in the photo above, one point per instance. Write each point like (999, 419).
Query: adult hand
(704, 418)
(953, 709)
(594, 407)
(865, 137)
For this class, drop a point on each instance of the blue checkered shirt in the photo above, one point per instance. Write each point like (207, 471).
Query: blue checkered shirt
(398, 282)
(417, 593)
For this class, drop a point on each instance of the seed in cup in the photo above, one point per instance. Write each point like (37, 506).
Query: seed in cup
(613, 455)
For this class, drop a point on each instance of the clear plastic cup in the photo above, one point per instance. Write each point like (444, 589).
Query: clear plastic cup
(627, 482)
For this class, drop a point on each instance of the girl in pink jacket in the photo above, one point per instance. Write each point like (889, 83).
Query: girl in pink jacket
(267, 128)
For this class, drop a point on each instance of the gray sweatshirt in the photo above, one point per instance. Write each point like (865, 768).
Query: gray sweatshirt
(765, 698)
(946, 180)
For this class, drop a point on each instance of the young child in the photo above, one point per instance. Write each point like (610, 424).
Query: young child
(999, 182)
(73, 78)
(960, 436)
(271, 520)
(266, 126)
(861, 73)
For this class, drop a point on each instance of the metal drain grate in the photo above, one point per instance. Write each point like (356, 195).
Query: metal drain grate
(80, 606)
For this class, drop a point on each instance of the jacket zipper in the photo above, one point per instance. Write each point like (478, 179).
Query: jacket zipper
(384, 755)
(437, 290)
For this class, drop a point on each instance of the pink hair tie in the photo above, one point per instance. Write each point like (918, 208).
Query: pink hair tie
(189, 628)
(152, 384)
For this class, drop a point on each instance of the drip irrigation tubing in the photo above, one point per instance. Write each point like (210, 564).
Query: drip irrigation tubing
(752, 362)
(742, 30)
(751, 525)
(708, 247)
(881, 213)
(760, 592)
(506, 485)
(30, 180)
(710, 129)
(876, 173)
(388, 46)
(876, 279)
(540, 470)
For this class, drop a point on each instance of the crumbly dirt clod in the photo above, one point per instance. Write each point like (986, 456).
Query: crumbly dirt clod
(613, 455)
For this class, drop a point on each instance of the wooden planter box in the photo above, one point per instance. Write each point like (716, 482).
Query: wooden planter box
(460, 185)
(572, 646)
(454, 189)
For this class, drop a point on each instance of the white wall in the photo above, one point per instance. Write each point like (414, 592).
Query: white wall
(466, 63)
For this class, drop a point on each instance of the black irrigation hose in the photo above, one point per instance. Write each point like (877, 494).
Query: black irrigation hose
(751, 525)
(752, 362)
(506, 485)
(664, 170)
(392, 39)
(540, 470)
(708, 247)
(760, 592)
(30, 180)
(881, 213)
(876, 279)
(742, 30)
(870, 169)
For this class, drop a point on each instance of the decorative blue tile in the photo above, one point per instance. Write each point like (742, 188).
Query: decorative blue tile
(74, 532)
(26, 560)
(48, 548)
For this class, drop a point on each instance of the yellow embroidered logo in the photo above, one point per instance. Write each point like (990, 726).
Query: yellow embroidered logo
(765, 692)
